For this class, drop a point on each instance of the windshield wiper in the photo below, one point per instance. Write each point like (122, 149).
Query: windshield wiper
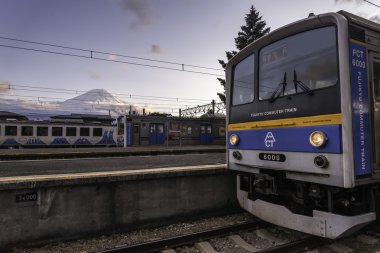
(303, 86)
(278, 91)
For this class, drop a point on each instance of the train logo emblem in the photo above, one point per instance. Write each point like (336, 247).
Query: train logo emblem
(269, 140)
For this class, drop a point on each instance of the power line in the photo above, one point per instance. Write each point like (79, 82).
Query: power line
(117, 95)
(92, 55)
(53, 105)
(106, 53)
(378, 6)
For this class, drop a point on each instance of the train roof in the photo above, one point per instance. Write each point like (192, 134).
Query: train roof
(360, 21)
(218, 117)
(83, 118)
(5, 115)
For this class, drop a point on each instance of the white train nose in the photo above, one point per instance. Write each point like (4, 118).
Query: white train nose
(322, 224)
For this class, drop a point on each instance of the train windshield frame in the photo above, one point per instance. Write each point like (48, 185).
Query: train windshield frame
(298, 64)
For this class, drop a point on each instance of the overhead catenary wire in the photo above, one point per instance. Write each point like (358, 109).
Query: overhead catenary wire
(378, 6)
(42, 99)
(53, 105)
(91, 54)
(180, 102)
(107, 53)
(118, 95)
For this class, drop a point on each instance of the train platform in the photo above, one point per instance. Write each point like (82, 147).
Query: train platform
(54, 153)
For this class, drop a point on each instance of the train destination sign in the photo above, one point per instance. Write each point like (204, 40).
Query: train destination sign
(275, 54)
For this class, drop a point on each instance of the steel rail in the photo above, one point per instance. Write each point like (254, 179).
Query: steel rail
(177, 241)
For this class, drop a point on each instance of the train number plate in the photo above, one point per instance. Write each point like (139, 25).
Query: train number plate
(25, 197)
(272, 157)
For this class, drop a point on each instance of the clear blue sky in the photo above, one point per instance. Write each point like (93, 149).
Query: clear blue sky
(195, 32)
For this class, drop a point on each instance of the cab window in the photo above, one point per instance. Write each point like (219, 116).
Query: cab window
(299, 64)
(243, 81)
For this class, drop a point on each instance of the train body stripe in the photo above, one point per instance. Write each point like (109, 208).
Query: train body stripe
(292, 139)
(320, 120)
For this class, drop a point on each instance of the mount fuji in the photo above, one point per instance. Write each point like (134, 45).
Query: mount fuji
(96, 101)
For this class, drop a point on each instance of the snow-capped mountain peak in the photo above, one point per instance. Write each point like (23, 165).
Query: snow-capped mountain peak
(96, 101)
(95, 96)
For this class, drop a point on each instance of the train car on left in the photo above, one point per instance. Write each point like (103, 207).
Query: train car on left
(60, 131)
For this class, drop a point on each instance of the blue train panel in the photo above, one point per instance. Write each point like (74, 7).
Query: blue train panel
(293, 139)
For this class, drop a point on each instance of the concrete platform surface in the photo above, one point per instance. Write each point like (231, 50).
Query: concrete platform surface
(41, 209)
(46, 153)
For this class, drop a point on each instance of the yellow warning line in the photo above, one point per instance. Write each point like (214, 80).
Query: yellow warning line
(330, 119)
(73, 176)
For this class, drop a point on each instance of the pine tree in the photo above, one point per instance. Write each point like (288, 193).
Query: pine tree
(253, 29)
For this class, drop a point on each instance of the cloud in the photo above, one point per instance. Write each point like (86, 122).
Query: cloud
(348, 1)
(142, 11)
(95, 76)
(375, 18)
(111, 57)
(5, 87)
(156, 49)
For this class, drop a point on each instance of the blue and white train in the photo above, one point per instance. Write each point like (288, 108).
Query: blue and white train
(62, 131)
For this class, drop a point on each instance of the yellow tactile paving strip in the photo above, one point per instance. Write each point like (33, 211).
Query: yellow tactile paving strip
(73, 176)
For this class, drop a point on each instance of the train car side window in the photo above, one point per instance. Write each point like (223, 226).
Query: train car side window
(160, 129)
(57, 131)
(26, 131)
(71, 131)
(243, 83)
(97, 131)
(84, 131)
(10, 130)
(42, 131)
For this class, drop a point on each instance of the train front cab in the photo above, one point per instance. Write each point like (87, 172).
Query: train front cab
(331, 190)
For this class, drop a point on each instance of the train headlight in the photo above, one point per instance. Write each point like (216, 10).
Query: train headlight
(318, 139)
(234, 139)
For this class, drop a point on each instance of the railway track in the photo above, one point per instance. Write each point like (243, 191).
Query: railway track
(200, 241)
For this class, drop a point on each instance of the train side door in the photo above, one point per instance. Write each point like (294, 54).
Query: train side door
(375, 83)
(206, 134)
(136, 134)
(129, 134)
(156, 134)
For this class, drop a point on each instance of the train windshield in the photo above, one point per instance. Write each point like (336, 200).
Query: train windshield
(300, 63)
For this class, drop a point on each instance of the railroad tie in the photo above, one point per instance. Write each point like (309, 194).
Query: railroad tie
(205, 247)
(168, 251)
(340, 248)
(312, 251)
(366, 239)
(266, 235)
(242, 244)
